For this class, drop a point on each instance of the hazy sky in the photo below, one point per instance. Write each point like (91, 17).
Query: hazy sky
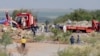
(51, 4)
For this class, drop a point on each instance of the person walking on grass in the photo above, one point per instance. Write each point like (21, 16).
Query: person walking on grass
(78, 39)
(42, 28)
(72, 40)
(33, 29)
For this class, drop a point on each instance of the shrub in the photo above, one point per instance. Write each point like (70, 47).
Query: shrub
(64, 37)
(6, 40)
(60, 36)
(55, 31)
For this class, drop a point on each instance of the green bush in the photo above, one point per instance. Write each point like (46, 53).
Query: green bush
(60, 36)
(6, 39)
(64, 37)
(55, 31)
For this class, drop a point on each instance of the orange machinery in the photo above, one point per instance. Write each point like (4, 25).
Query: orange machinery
(95, 27)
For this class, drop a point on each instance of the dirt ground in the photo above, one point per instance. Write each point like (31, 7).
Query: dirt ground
(39, 49)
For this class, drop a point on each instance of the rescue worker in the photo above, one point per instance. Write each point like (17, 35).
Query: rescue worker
(23, 22)
(11, 24)
(33, 29)
(46, 28)
(53, 26)
(78, 39)
(64, 28)
(72, 40)
(42, 27)
(23, 42)
(46, 25)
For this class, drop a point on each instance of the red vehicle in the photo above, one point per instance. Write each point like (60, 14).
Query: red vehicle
(95, 27)
(21, 18)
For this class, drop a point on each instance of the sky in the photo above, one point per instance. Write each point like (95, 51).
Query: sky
(50, 4)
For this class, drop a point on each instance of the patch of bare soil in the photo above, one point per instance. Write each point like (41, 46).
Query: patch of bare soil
(44, 49)
(37, 49)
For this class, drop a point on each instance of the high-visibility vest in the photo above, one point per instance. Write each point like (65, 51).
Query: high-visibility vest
(23, 40)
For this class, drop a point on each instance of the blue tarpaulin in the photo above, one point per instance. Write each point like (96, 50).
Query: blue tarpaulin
(3, 20)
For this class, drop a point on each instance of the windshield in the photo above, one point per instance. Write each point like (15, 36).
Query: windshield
(19, 19)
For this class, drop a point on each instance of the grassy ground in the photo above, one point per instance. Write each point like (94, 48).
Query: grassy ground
(76, 50)
(91, 46)
(2, 54)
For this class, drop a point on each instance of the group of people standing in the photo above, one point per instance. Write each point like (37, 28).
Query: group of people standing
(72, 40)
(44, 28)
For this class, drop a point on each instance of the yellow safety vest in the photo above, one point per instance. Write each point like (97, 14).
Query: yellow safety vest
(23, 40)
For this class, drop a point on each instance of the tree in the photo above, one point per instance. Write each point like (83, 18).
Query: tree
(20, 11)
(14, 13)
(78, 15)
(96, 14)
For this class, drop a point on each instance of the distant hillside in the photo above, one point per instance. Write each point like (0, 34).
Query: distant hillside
(50, 14)
(43, 19)
(42, 16)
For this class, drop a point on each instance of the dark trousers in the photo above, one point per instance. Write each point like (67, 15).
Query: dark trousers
(72, 41)
(23, 45)
(33, 30)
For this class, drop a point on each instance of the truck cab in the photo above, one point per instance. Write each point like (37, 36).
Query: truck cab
(25, 19)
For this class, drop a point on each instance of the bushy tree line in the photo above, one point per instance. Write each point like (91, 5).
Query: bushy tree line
(80, 14)
(19, 11)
